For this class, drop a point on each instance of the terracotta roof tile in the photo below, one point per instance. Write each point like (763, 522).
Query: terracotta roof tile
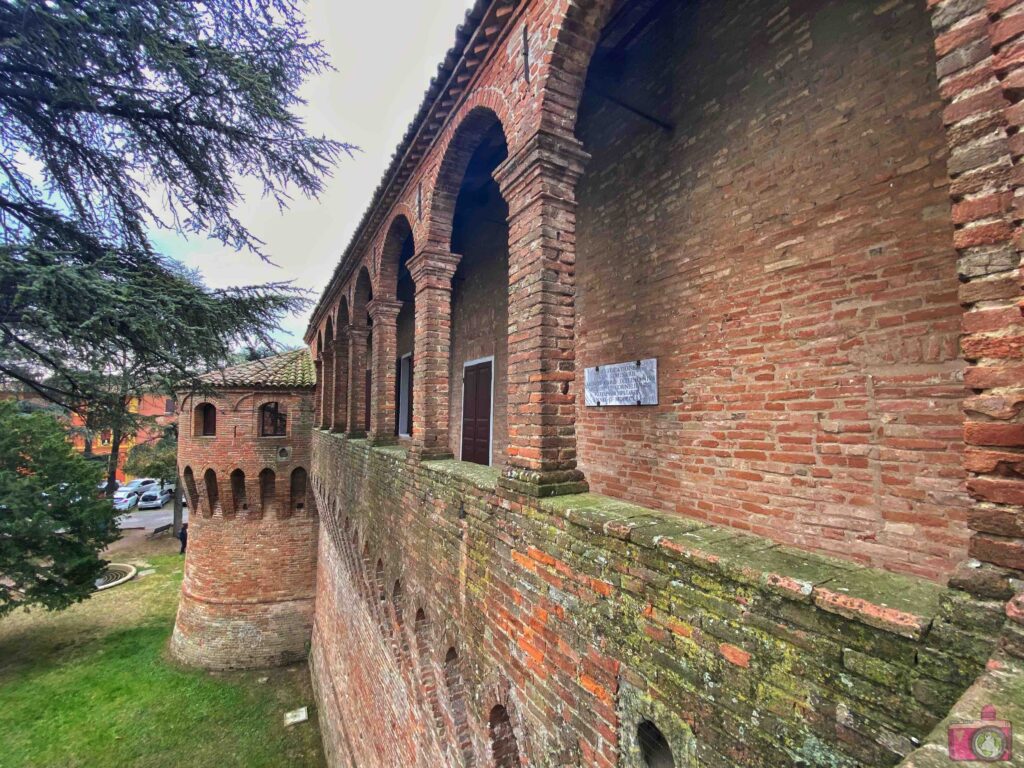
(291, 370)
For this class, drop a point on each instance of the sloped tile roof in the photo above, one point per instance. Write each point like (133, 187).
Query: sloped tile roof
(291, 370)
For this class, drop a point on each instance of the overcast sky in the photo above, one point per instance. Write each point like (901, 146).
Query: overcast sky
(384, 53)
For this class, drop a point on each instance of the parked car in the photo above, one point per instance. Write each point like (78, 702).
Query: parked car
(155, 498)
(141, 485)
(125, 500)
(103, 485)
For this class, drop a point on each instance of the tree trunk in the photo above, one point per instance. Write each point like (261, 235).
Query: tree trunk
(115, 454)
(177, 506)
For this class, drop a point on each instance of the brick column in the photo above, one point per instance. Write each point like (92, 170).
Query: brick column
(384, 314)
(318, 395)
(340, 394)
(432, 271)
(327, 390)
(981, 72)
(356, 420)
(539, 183)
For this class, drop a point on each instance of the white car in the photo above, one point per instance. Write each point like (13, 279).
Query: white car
(155, 498)
(125, 500)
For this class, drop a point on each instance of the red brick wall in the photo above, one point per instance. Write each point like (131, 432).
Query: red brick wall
(247, 596)
(786, 254)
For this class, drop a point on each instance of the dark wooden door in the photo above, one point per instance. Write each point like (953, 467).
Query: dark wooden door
(476, 414)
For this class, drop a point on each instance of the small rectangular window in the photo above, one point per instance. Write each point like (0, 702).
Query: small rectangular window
(273, 422)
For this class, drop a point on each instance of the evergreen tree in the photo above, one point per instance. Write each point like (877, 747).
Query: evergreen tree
(52, 525)
(117, 118)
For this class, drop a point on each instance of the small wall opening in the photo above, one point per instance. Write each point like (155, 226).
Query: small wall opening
(191, 492)
(504, 750)
(298, 486)
(212, 492)
(239, 499)
(205, 420)
(273, 420)
(268, 489)
(654, 746)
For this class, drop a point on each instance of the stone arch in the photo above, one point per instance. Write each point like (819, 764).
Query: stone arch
(340, 371)
(362, 295)
(327, 368)
(455, 684)
(298, 488)
(268, 490)
(504, 748)
(212, 490)
(463, 142)
(654, 747)
(565, 66)
(239, 497)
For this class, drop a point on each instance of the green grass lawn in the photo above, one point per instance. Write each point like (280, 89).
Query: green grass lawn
(94, 686)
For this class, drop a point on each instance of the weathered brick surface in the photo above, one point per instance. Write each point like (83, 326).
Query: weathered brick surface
(790, 264)
(247, 595)
(582, 614)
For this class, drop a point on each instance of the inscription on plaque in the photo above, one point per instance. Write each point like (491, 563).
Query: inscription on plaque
(632, 383)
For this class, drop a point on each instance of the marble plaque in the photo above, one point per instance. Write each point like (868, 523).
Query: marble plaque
(632, 383)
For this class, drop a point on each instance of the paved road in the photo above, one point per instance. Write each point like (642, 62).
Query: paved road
(151, 518)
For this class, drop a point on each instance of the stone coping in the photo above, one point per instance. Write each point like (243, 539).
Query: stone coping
(895, 603)
(888, 601)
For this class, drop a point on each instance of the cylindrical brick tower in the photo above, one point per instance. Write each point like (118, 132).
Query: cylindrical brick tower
(243, 455)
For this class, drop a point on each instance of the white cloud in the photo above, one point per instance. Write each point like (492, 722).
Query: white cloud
(384, 53)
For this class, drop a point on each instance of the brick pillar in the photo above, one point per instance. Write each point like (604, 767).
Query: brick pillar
(340, 394)
(432, 271)
(327, 390)
(539, 183)
(356, 420)
(981, 72)
(318, 395)
(384, 314)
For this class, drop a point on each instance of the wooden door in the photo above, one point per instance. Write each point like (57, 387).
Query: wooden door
(476, 413)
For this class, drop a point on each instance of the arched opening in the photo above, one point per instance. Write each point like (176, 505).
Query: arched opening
(191, 492)
(298, 489)
(654, 748)
(504, 750)
(327, 371)
(479, 322)
(341, 362)
(268, 490)
(204, 423)
(361, 377)
(457, 696)
(239, 500)
(273, 420)
(318, 393)
(212, 492)
(396, 280)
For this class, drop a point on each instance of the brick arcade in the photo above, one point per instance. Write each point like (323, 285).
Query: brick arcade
(807, 553)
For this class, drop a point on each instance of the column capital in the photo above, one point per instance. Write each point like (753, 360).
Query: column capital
(384, 310)
(549, 155)
(432, 265)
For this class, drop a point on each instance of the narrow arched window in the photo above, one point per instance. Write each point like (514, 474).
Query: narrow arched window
(268, 489)
(504, 750)
(212, 492)
(273, 420)
(654, 746)
(298, 488)
(205, 423)
(239, 500)
(191, 492)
